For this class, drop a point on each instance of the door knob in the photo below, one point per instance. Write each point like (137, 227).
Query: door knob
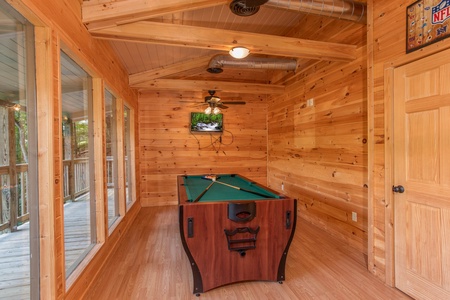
(398, 189)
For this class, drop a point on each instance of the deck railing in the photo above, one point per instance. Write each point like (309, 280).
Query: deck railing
(109, 171)
(14, 208)
(76, 178)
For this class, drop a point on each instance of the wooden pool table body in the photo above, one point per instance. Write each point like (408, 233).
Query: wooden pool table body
(257, 251)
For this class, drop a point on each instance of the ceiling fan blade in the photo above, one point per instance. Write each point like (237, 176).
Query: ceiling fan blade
(196, 105)
(222, 106)
(235, 103)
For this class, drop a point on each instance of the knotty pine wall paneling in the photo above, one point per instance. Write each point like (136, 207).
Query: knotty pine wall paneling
(167, 148)
(389, 43)
(318, 153)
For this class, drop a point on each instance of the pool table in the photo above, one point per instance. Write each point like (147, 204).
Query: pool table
(233, 229)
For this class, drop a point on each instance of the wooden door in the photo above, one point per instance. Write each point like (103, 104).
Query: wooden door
(422, 167)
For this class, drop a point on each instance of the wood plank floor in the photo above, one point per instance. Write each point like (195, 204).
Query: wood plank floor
(150, 263)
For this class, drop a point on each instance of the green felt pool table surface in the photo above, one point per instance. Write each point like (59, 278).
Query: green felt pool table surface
(196, 184)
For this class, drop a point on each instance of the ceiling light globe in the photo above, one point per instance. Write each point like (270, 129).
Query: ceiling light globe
(208, 110)
(239, 52)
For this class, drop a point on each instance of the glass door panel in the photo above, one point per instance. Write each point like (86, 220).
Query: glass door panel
(128, 157)
(111, 157)
(79, 196)
(19, 269)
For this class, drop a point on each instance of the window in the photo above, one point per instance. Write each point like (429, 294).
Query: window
(19, 250)
(129, 157)
(79, 195)
(111, 157)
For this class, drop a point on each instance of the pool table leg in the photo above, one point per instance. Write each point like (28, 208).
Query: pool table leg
(198, 282)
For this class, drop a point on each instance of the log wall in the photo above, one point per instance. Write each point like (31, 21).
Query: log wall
(167, 148)
(318, 153)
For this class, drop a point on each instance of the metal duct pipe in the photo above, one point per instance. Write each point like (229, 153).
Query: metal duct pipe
(341, 9)
(219, 61)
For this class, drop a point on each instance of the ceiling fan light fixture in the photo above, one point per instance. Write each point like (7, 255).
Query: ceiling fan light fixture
(216, 111)
(208, 110)
(239, 52)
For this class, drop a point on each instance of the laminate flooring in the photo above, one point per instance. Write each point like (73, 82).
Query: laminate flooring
(150, 263)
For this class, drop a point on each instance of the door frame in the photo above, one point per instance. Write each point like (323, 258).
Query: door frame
(389, 69)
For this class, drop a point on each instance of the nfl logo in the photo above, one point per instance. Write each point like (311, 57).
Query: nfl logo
(440, 12)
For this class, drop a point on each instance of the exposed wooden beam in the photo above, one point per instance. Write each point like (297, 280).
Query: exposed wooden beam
(168, 70)
(224, 40)
(101, 14)
(204, 85)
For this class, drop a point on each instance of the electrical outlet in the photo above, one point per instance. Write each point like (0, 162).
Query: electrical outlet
(310, 102)
(282, 186)
(354, 216)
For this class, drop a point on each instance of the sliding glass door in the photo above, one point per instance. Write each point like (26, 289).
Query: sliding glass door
(111, 157)
(129, 158)
(19, 248)
(78, 187)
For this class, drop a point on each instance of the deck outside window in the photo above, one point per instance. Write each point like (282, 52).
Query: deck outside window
(19, 266)
(79, 198)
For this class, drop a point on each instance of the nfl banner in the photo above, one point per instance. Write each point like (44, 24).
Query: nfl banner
(427, 22)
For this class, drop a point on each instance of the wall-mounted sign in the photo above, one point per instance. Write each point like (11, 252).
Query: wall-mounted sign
(427, 22)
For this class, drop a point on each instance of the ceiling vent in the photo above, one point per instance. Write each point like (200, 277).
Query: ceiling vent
(245, 8)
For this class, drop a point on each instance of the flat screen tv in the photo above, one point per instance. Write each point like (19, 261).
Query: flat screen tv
(201, 122)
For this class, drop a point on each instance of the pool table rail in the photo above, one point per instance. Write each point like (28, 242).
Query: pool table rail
(184, 196)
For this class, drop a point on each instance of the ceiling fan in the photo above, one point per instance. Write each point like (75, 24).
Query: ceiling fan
(215, 104)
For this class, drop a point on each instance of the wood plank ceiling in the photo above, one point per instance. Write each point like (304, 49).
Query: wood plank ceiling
(167, 44)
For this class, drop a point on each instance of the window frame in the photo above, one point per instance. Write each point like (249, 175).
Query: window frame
(130, 140)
